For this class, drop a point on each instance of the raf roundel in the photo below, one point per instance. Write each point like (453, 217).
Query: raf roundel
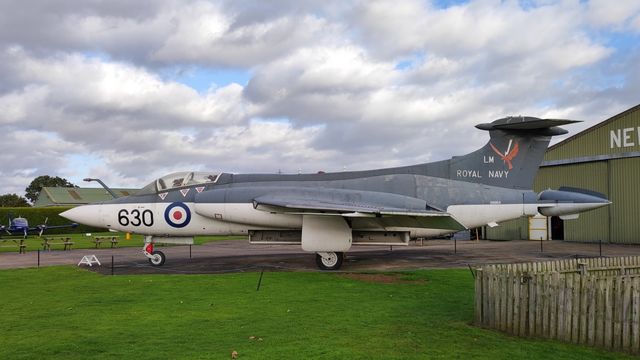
(177, 215)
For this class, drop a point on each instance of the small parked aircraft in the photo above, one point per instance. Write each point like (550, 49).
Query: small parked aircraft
(327, 213)
(20, 226)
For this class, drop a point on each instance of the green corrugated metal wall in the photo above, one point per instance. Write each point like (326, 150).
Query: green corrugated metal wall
(618, 179)
(591, 226)
(597, 139)
(625, 196)
(511, 230)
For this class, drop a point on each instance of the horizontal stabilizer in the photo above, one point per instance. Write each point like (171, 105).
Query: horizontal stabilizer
(524, 123)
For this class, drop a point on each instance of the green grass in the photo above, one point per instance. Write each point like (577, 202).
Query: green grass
(68, 313)
(81, 241)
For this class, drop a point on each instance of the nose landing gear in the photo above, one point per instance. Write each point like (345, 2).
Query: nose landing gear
(156, 257)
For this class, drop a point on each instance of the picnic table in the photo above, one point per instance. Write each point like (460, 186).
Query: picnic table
(48, 241)
(19, 242)
(98, 240)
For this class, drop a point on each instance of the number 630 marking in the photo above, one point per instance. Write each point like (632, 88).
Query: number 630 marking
(135, 217)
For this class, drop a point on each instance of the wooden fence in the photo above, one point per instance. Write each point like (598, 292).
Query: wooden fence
(583, 301)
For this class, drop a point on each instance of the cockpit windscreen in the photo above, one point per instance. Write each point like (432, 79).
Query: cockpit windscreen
(177, 180)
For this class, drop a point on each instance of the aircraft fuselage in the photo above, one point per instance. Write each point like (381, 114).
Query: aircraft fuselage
(328, 212)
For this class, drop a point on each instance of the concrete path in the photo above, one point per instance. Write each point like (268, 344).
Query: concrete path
(239, 255)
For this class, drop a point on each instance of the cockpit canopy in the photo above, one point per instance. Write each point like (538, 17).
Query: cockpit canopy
(177, 180)
(19, 222)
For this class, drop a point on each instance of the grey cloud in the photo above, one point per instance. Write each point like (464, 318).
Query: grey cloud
(45, 26)
(163, 33)
(25, 154)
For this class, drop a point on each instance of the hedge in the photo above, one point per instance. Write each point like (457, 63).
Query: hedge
(37, 215)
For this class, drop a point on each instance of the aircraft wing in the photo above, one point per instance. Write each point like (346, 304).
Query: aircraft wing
(49, 227)
(364, 213)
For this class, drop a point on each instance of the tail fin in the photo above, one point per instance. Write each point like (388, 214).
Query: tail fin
(513, 154)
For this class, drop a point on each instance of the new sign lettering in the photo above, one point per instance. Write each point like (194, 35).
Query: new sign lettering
(624, 138)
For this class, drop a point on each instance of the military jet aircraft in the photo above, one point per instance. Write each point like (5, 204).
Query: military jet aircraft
(327, 213)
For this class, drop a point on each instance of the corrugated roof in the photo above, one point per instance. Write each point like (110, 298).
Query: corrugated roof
(51, 196)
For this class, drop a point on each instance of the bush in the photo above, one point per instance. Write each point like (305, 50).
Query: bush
(37, 216)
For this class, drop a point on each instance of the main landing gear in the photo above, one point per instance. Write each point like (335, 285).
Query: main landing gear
(329, 260)
(156, 258)
(325, 260)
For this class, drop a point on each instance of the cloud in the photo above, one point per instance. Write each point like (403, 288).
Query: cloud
(355, 84)
(264, 145)
(159, 33)
(503, 30)
(26, 154)
(603, 13)
(636, 23)
(136, 123)
(74, 87)
(202, 34)
(118, 27)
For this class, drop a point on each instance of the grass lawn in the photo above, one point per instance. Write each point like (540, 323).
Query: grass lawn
(81, 241)
(69, 313)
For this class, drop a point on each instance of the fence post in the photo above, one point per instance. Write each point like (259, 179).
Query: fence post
(635, 316)
(478, 299)
(583, 268)
(575, 315)
(619, 313)
(541, 244)
(600, 242)
(584, 309)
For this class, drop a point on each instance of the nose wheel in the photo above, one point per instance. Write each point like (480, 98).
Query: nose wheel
(329, 260)
(155, 257)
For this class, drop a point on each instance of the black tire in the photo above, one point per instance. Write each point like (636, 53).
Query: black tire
(159, 258)
(333, 263)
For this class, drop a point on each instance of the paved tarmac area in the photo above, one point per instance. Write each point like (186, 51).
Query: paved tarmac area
(240, 256)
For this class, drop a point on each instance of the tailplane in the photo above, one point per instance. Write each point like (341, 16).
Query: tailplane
(513, 154)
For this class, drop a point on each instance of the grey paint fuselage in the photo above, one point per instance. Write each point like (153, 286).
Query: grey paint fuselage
(436, 192)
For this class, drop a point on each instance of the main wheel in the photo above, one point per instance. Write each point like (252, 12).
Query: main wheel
(329, 260)
(158, 258)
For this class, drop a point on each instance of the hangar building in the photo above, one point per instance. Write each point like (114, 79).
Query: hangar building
(604, 158)
(68, 196)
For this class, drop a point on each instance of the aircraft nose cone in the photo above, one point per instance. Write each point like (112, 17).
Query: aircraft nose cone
(86, 215)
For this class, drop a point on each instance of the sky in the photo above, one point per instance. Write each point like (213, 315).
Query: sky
(128, 91)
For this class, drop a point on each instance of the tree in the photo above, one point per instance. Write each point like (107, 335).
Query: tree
(33, 190)
(13, 200)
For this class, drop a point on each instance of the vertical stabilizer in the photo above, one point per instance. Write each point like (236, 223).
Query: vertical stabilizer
(513, 154)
